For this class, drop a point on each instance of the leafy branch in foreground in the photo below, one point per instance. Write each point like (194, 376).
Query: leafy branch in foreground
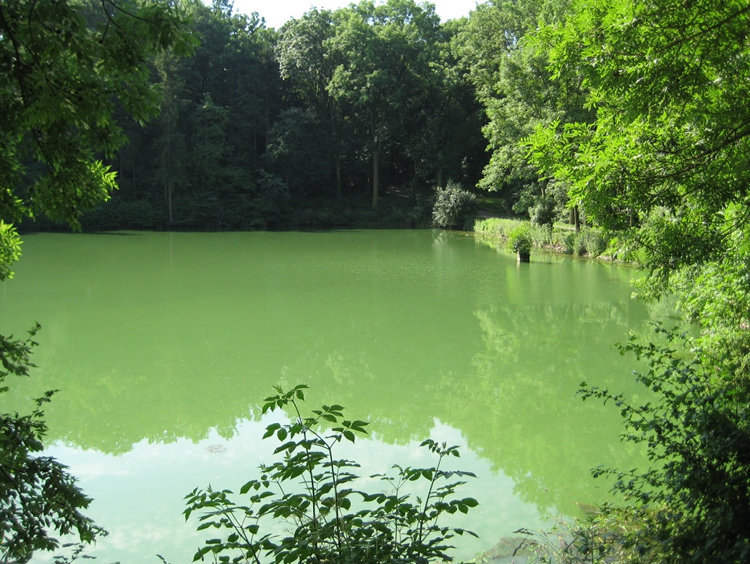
(693, 504)
(38, 496)
(313, 493)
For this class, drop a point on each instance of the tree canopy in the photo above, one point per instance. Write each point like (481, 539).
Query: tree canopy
(310, 124)
(665, 158)
(67, 68)
(669, 148)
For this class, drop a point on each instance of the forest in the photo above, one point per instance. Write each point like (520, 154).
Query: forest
(339, 118)
(631, 117)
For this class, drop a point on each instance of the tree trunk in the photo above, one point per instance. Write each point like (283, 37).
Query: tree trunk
(169, 200)
(577, 219)
(375, 173)
(338, 177)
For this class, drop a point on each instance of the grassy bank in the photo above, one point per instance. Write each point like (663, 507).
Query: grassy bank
(588, 242)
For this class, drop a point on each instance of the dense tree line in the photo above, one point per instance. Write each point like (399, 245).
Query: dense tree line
(306, 125)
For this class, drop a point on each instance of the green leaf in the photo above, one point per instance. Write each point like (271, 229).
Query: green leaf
(288, 446)
(270, 429)
(248, 486)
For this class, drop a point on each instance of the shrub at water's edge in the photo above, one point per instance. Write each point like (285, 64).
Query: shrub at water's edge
(519, 241)
(693, 504)
(453, 208)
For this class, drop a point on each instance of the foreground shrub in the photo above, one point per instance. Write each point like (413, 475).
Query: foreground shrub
(312, 493)
(39, 498)
(697, 433)
(453, 208)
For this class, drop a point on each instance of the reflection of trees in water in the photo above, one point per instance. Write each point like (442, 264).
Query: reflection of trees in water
(524, 415)
(512, 396)
(444, 335)
(137, 391)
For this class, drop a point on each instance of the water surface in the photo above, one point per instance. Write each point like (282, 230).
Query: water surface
(163, 346)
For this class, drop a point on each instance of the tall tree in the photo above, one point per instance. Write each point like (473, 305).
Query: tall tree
(202, 157)
(514, 84)
(171, 163)
(447, 142)
(307, 62)
(386, 70)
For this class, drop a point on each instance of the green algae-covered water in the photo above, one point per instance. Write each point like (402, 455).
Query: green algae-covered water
(163, 346)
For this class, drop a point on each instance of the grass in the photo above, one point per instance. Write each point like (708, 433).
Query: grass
(561, 237)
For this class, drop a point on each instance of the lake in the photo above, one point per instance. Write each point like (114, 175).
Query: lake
(163, 346)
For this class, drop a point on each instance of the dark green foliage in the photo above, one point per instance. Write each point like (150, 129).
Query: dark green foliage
(64, 66)
(315, 495)
(696, 431)
(396, 211)
(125, 214)
(298, 152)
(454, 207)
(270, 202)
(337, 104)
(38, 498)
(543, 211)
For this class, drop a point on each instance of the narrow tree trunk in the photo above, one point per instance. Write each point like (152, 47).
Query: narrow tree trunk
(338, 177)
(169, 200)
(375, 173)
(577, 219)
